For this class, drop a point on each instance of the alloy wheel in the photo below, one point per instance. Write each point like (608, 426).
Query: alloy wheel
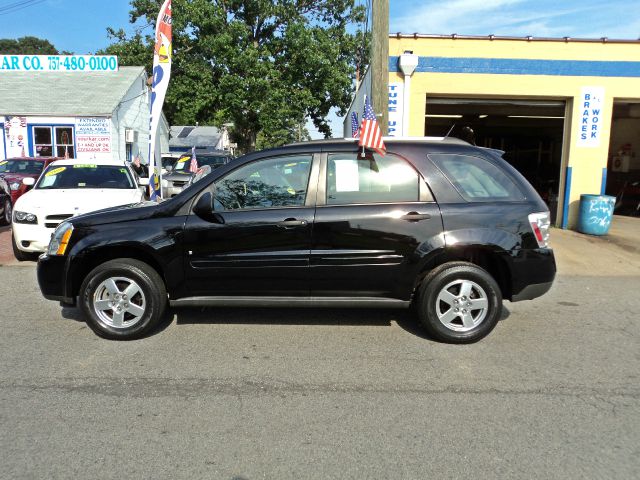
(462, 305)
(119, 302)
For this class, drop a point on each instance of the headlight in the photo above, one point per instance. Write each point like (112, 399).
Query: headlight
(14, 185)
(24, 217)
(60, 239)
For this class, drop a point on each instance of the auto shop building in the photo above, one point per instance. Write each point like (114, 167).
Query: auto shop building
(565, 111)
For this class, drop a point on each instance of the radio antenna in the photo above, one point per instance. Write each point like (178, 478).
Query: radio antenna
(450, 130)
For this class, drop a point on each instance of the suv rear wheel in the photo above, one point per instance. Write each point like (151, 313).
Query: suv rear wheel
(459, 302)
(122, 299)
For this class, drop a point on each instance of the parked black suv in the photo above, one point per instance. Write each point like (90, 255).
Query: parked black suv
(447, 227)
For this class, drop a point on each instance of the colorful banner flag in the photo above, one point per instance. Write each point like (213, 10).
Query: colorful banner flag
(370, 135)
(355, 131)
(193, 166)
(161, 74)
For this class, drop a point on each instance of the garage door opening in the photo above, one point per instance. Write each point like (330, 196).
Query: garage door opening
(623, 168)
(529, 132)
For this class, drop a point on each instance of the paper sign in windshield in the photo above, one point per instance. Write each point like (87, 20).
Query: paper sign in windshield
(55, 171)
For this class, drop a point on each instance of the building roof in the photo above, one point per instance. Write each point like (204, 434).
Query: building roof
(528, 38)
(66, 93)
(194, 136)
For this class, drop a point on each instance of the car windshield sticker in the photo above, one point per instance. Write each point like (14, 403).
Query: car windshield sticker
(82, 184)
(85, 165)
(55, 171)
(123, 170)
(183, 159)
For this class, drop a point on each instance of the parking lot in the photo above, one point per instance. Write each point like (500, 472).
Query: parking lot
(552, 392)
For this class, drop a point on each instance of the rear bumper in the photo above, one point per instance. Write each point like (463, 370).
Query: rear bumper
(532, 291)
(533, 272)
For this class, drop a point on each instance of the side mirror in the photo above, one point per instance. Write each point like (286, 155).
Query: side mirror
(204, 209)
(29, 181)
(168, 168)
(143, 181)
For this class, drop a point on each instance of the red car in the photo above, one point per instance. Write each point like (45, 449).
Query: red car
(14, 170)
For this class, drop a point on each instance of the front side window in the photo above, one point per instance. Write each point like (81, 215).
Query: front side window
(372, 179)
(82, 176)
(270, 183)
(476, 179)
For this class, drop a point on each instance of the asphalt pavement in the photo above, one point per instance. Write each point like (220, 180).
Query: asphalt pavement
(553, 392)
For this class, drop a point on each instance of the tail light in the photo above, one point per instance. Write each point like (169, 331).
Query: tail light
(540, 224)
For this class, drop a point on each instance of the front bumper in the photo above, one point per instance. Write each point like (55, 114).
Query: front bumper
(31, 238)
(51, 278)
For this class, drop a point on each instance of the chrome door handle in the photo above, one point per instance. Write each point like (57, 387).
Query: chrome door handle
(292, 222)
(415, 216)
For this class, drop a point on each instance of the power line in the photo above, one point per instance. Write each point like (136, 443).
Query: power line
(14, 7)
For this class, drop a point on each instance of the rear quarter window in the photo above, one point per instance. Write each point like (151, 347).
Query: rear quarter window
(477, 179)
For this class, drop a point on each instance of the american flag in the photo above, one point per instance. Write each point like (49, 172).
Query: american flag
(370, 135)
(193, 166)
(355, 131)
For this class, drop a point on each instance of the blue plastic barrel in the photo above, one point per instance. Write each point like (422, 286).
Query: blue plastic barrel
(596, 213)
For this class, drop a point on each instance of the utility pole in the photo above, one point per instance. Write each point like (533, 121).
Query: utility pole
(380, 61)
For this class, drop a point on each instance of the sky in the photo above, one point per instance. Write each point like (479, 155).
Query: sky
(80, 26)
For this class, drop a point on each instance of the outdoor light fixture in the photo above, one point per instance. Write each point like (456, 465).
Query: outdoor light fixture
(407, 62)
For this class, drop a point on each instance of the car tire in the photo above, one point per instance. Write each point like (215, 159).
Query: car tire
(19, 254)
(7, 211)
(459, 302)
(122, 299)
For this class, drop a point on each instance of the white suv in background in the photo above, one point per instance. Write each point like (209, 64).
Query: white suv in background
(65, 189)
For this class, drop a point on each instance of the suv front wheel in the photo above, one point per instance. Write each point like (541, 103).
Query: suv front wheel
(122, 299)
(459, 302)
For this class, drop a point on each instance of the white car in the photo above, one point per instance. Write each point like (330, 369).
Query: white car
(65, 189)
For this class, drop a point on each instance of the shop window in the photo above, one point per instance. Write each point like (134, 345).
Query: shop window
(42, 141)
(53, 141)
(64, 142)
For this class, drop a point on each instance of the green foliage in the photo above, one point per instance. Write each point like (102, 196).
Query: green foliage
(27, 46)
(264, 65)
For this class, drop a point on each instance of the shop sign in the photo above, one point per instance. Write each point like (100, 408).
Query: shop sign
(93, 137)
(395, 109)
(590, 118)
(15, 132)
(58, 63)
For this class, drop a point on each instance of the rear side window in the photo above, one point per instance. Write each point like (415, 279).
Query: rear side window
(372, 179)
(477, 179)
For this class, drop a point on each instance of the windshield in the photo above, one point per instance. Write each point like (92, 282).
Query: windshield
(214, 161)
(85, 176)
(168, 161)
(27, 167)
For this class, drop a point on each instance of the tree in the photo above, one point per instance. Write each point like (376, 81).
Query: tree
(27, 46)
(264, 65)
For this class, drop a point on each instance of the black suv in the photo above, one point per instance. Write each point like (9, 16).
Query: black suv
(440, 225)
